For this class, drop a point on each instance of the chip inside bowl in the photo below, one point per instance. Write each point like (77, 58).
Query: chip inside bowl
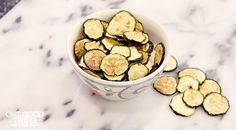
(119, 49)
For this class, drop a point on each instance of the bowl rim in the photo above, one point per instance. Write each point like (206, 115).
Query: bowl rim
(70, 43)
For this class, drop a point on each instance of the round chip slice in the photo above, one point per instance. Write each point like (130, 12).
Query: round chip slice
(109, 43)
(193, 72)
(179, 107)
(166, 85)
(171, 65)
(187, 82)
(216, 104)
(192, 98)
(79, 47)
(123, 50)
(121, 22)
(145, 57)
(93, 29)
(159, 54)
(137, 71)
(94, 45)
(135, 36)
(209, 86)
(138, 26)
(93, 59)
(114, 64)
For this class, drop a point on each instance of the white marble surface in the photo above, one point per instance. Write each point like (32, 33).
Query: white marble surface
(35, 74)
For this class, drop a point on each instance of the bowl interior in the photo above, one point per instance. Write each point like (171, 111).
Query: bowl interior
(152, 28)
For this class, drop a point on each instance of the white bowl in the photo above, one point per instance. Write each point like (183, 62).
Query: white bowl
(126, 89)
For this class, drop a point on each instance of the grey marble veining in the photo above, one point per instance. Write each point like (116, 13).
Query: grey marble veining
(7, 5)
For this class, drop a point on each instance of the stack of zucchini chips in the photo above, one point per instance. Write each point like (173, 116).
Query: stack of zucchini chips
(118, 49)
(194, 91)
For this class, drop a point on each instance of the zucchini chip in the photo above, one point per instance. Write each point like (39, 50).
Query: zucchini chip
(145, 57)
(165, 85)
(187, 82)
(149, 65)
(93, 29)
(140, 47)
(122, 22)
(109, 43)
(81, 63)
(91, 73)
(150, 62)
(192, 98)
(123, 50)
(93, 59)
(94, 45)
(114, 64)
(114, 78)
(138, 27)
(104, 24)
(137, 71)
(179, 107)
(209, 86)
(110, 36)
(149, 47)
(160, 52)
(134, 54)
(146, 38)
(171, 65)
(216, 104)
(193, 72)
(79, 47)
(135, 36)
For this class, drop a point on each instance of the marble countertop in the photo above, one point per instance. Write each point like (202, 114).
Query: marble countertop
(6, 5)
(35, 74)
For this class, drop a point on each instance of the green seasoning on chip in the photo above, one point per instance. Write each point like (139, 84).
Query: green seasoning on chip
(166, 85)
